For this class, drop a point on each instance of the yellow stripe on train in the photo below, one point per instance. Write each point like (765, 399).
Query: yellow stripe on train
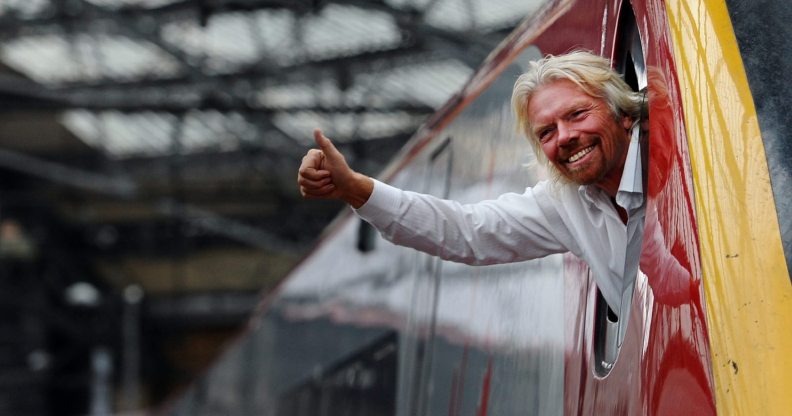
(747, 286)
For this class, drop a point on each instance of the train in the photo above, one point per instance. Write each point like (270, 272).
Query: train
(363, 327)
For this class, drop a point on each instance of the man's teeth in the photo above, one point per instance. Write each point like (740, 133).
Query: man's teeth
(580, 154)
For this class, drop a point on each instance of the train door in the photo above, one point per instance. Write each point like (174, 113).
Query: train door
(609, 326)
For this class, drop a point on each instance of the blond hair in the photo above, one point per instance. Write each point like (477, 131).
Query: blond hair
(592, 73)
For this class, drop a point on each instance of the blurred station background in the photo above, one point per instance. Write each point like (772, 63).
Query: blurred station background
(148, 156)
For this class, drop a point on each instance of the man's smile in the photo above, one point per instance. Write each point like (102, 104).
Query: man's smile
(577, 156)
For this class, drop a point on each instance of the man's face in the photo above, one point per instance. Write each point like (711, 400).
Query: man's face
(579, 134)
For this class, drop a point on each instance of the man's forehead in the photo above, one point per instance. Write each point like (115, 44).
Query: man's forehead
(554, 99)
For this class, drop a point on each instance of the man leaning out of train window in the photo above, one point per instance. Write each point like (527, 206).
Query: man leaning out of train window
(583, 122)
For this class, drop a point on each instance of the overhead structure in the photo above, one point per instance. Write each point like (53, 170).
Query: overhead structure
(152, 144)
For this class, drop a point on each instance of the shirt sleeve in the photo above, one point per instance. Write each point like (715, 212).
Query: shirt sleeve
(514, 227)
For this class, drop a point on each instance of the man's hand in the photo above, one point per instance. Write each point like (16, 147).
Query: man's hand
(325, 174)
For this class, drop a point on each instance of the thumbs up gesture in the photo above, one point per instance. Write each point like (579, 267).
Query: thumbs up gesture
(325, 174)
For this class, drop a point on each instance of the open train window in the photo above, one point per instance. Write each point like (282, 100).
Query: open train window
(366, 236)
(629, 57)
(606, 330)
(609, 326)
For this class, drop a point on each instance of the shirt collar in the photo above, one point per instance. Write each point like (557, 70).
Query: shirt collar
(630, 194)
(589, 193)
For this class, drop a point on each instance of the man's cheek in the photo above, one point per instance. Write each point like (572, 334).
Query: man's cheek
(550, 153)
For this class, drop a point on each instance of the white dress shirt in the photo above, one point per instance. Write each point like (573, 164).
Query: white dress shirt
(543, 220)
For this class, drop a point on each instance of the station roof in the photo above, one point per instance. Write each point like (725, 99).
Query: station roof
(154, 132)
(133, 77)
(149, 148)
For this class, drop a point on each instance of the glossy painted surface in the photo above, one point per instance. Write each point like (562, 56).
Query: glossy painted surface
(663, 366)
(520, 338)
(749, 295)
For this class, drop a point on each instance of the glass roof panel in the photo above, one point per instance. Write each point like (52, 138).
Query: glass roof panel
(502, 13)
(205, 130)
(113, 4)
(279, 36)
(84, 57)
(344, 30)
(479, 14)
(430, 84)
(23, 8)
(122, 135)
(410, 4)
(301, 95)
(274, 32)
(347, 126)
(233, 39)
(225, 43)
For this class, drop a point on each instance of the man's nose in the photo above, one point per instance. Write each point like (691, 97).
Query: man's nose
(565, 133)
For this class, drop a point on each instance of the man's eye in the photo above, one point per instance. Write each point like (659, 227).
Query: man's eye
(544, 134)
(578, 113)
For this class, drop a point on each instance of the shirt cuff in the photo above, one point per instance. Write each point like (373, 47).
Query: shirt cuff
(382, 205)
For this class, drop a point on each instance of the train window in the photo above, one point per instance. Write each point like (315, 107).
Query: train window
(606, 327)
(610, 327)
(366, 237)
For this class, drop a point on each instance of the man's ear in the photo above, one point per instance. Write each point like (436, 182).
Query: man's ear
(627, 122)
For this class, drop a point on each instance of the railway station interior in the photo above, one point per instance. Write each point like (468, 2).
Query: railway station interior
(148, 156)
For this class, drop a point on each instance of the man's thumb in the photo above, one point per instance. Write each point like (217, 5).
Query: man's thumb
(325, 144)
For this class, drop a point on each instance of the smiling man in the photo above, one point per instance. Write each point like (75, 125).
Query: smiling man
(581, 119)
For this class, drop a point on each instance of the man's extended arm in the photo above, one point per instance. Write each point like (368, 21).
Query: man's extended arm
(512, 228)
